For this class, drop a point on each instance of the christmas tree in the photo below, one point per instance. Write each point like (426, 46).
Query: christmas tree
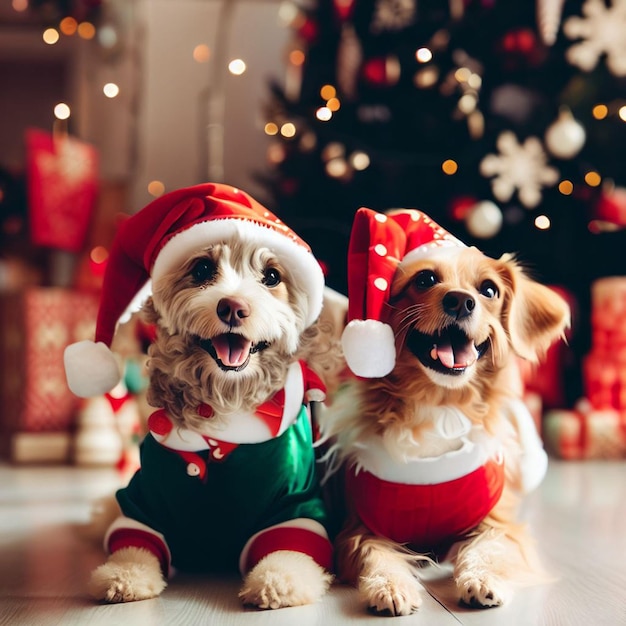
(505, 121)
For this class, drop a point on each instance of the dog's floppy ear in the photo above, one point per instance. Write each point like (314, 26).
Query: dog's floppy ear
(534, 315)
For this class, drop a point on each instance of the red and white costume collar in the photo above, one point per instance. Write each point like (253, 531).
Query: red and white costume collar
(466, 448)
(268, 421)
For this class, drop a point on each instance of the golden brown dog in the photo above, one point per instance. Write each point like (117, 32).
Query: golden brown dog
(436, 444)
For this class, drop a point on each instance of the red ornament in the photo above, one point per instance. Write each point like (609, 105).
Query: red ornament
(520, 48)
(381, 71)
(611, 207)
(308, 29)
(343, 9)
(460, 207)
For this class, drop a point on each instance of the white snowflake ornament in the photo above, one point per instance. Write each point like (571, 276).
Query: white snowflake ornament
(392, 15)
(521, 167)
(602, 31)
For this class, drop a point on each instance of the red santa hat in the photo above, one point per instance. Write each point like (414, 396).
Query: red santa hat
(379, 242)
(161, 237)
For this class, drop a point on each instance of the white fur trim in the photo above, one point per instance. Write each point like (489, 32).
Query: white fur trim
(91, 368)
(303, 523)
(297, 260)
(534, 460)
(439, 247)
(369, 348)
(473, 452)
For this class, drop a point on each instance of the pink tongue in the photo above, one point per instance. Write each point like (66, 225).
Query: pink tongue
(232, 350)
(446, 355)
(444, 352)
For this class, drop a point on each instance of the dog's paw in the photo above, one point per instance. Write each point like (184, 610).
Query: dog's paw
(399, 594)
(129, 574)
(284, 578)
(482, 591)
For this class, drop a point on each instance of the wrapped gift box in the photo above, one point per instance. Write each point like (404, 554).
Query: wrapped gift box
(596, 428)
(38, 409)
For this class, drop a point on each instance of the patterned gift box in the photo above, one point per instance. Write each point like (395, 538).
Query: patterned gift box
(38, 408)
(596, 428)
(585, 433)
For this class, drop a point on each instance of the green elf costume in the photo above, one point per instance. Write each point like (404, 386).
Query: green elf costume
(222, 500)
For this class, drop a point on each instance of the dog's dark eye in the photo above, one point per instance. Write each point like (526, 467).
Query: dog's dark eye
(488, 289)
(425, 279)
(271, 277)
(203, 271)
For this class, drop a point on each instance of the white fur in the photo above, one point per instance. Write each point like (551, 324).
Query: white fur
(91, 368)
(284, 578)
(129, 574)
(300, 261)
(184, 312)
(368, 346)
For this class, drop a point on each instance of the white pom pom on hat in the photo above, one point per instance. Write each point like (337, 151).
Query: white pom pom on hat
(91, 368)
(379, 242)
(161, 237)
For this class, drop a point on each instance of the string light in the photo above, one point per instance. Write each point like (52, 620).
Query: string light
(426, 77)
(107, 36)
(156, 188)
(327, 92)
(68, 25)
(333, 150)
(308, 141)
(62, 111)
(51, 36)
(237, 67)
(600, 111)
(467, 103)
(297, 57)
(542, 222)
(288, 130)
(333, 104)
(323, 114)
(593, 179)
(463, 74)
(86, 30)
(98, 258)
(111, 90)
(276, 153)
(622, 113)
(20, 5)
(271, 129)
(566, 187)
(449, 166)
(423, 55)
(337, 168)
(201, 53)
(359, 160)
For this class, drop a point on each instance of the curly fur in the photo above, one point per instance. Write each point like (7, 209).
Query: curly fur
(234, 288)
(183, 375)
(522, 320)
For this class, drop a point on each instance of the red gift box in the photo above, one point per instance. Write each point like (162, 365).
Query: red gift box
(596, 428)
(38, 409)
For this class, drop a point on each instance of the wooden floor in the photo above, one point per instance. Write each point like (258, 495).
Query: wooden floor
(578, 516)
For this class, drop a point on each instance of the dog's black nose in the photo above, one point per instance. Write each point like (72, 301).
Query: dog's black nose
(458, 304)
(232, 310)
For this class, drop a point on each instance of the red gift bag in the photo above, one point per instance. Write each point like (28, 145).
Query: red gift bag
(62, 187)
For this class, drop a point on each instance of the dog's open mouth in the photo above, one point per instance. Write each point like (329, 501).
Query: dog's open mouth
(231, 351)
(449, 351)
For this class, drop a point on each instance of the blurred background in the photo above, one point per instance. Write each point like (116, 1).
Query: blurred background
(505, 121)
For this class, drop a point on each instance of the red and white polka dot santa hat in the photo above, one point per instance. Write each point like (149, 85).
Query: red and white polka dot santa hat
(159, 239)
(379, 242)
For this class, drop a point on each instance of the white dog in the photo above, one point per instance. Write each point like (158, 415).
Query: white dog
(228, 477)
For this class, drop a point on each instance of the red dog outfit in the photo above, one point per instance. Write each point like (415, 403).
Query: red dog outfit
(427, 502)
